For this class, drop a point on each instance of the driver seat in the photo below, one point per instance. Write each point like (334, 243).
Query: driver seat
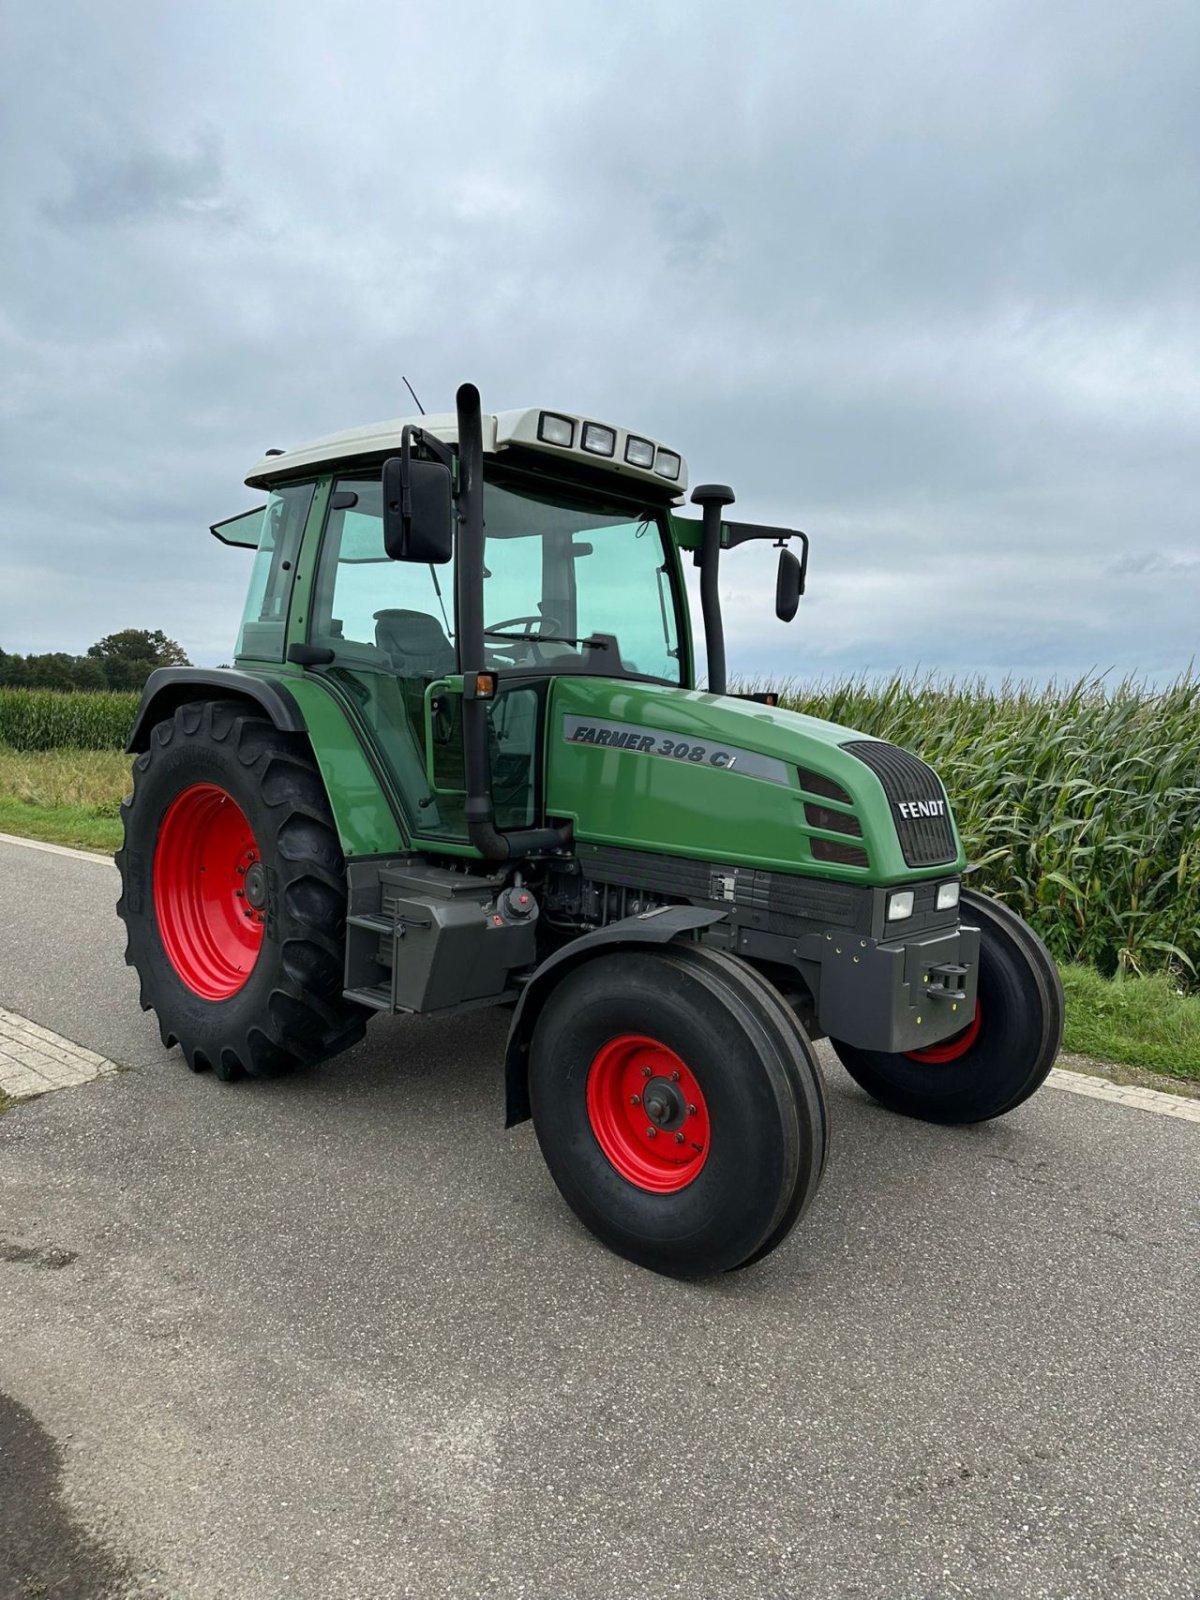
(415, 642)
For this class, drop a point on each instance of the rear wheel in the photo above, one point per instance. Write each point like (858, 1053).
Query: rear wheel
(678, 1116)
(234, 894)
(1005, 1051)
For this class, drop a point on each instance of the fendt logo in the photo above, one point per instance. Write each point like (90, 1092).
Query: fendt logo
(921, 808)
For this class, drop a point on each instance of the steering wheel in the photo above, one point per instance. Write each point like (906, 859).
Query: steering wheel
(530, 640)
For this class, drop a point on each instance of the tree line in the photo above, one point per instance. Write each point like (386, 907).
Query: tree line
(122, 660)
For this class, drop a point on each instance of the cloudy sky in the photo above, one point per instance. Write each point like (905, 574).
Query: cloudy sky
(921, 278)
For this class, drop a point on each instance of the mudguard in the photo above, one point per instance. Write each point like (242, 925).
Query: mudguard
(168, 688)
(659, 926)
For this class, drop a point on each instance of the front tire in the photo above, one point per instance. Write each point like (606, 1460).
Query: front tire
(1003, 1054)
(234, 894)
(684, 1042)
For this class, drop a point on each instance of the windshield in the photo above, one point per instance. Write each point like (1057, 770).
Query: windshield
(566, 588)
(569, 585)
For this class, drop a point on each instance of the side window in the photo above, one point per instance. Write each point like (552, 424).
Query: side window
(264, 621)
(622, 560)
(396, 615)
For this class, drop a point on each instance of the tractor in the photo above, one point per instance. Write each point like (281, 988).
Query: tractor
(463, 759)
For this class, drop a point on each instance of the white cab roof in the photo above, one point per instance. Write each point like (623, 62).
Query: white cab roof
(500, 430)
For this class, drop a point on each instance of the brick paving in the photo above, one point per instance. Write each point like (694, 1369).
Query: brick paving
(35, 1061)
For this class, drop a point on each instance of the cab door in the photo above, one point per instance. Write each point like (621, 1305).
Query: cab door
(390, 626)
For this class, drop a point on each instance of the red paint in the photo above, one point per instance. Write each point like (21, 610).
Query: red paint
(939, 1055)
(618, 1078)
(210, 932)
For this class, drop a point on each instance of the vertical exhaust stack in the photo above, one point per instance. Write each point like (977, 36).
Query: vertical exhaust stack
(468, 580)
(712, 498)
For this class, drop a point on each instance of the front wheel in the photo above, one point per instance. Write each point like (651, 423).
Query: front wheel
(679, 1110)
(1003, 1054)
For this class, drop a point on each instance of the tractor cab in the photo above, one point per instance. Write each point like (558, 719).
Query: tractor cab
(576, 572)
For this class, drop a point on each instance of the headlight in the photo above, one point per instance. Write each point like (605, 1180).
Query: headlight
(553, 429)
(601, 441)
(947, 896)
(639, 452)
(668, 464)
(900, 905)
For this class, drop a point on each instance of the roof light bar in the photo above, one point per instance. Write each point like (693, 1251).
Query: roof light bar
(601, 441)
(553, 429)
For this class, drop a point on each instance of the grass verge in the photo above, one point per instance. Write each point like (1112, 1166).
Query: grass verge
(1140, 1022)
(70, 797)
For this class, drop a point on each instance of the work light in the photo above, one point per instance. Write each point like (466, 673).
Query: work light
(668, 464)
(639, 452)
(900, 905)
(553, 429)
(947, 896)
(601, 441)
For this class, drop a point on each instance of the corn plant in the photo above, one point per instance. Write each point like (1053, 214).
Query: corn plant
(47, 719)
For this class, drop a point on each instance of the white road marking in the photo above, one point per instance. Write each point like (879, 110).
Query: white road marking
(57, 849)
(1125, 1094)
(35, 1061)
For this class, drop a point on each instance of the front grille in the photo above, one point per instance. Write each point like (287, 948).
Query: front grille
(846, 855)
(832, 821)
(911, 787)
(817, 783)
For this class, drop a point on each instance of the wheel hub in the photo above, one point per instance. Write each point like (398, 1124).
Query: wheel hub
(255, 883)
(648, 1113)
(664, 1104)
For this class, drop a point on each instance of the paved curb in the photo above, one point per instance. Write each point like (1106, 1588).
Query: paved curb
(1125, 1094)
(34, 1061)
(57, 849)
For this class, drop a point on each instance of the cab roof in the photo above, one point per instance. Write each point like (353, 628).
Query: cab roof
(533, 428)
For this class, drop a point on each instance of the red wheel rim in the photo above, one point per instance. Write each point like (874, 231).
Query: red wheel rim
(648, 1113)
(938, 1055)
(209, 891)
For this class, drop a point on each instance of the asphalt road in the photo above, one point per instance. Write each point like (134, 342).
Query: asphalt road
(338, 1337)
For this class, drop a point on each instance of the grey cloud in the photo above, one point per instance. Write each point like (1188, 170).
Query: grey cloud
(120, 187)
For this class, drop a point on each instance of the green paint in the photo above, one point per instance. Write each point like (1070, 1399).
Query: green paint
(649, 802)
(366, 823)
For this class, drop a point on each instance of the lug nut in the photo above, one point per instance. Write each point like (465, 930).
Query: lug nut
(678, 1138)
(691, 1111)
(652, 1133)
(674, 1077)
(646, 1072)
(635, 1099)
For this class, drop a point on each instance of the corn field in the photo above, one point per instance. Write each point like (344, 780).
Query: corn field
(45, 719)
(1079, 805)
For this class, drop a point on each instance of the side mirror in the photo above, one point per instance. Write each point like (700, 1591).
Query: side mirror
(418, 511)
(788, 585)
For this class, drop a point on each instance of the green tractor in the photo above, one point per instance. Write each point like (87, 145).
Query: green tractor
(463, 761)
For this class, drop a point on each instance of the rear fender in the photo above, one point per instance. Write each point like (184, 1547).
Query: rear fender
(168, 688)
(648, 927)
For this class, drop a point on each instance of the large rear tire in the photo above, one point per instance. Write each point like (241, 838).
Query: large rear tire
(1003, 1054)
(685, 1041)
(234, 894)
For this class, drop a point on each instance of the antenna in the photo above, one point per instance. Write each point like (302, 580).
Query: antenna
(413, 392)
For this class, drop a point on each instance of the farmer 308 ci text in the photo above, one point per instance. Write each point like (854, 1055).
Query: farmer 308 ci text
(462, 761)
